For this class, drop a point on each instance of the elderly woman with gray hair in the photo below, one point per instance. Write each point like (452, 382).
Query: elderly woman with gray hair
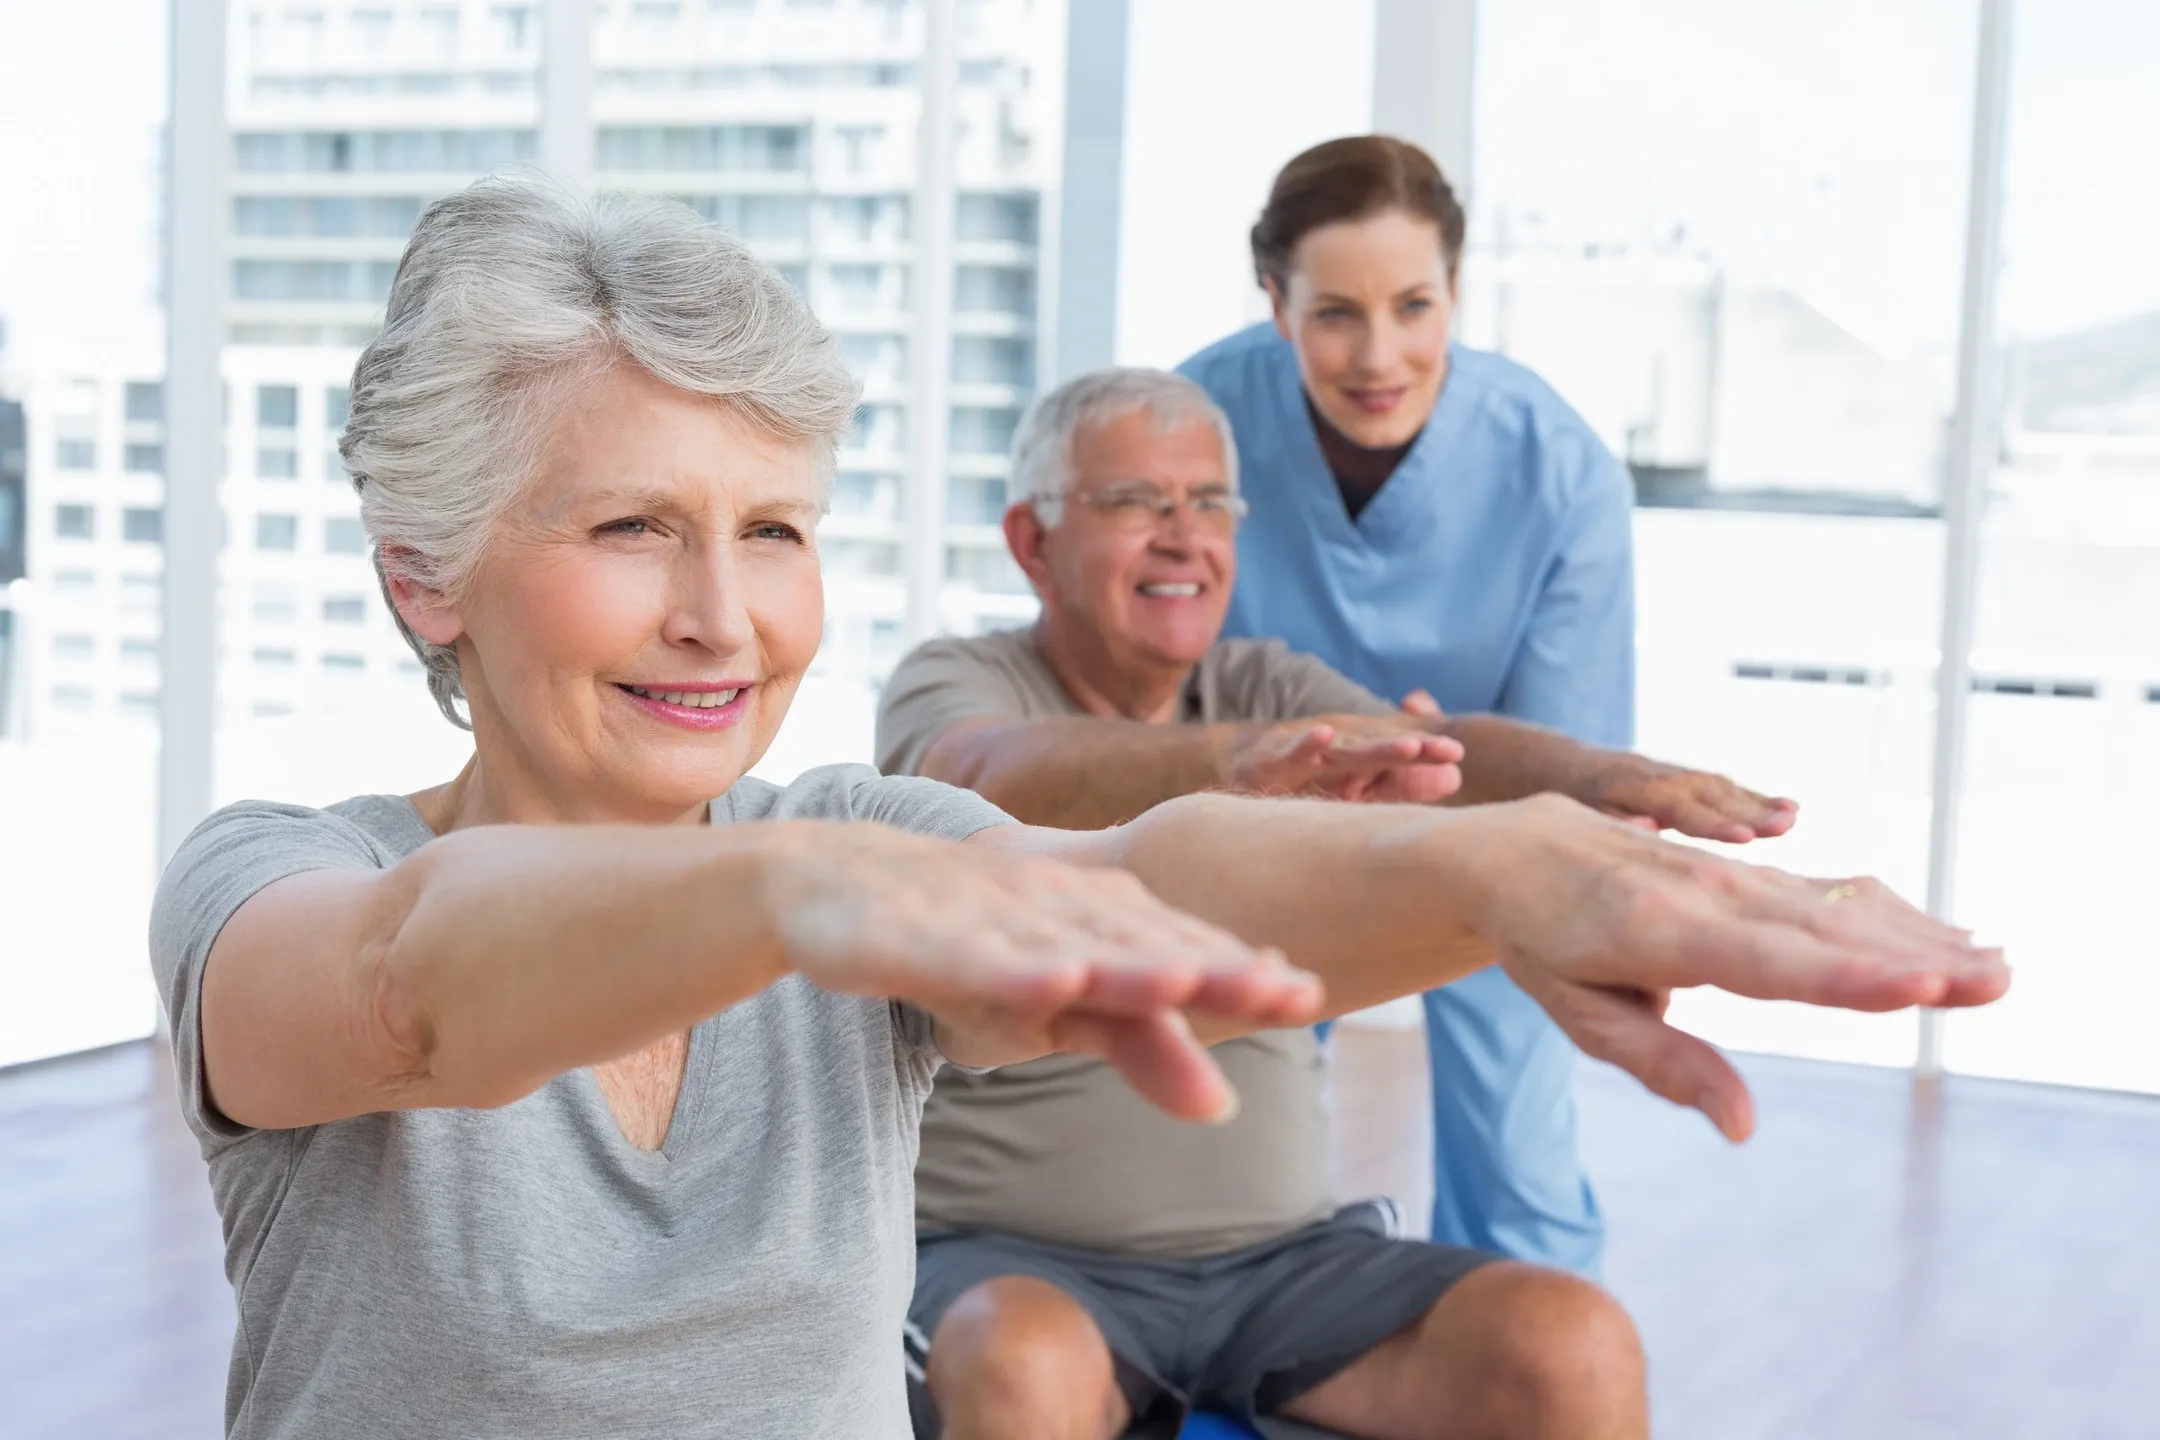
(578, 1095)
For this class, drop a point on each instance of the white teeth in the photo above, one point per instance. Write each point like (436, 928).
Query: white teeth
(1186, 590)
(690, 699)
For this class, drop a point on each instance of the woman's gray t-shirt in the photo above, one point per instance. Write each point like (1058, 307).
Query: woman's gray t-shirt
(527, 1272)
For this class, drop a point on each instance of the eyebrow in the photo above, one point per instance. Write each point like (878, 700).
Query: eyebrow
(1328, 297)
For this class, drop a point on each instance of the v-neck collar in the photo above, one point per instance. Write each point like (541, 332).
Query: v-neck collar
(1401, 492)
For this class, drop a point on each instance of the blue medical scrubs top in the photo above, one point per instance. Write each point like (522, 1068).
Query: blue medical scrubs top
(1494, 568)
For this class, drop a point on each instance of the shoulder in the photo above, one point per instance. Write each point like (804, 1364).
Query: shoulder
(1523, 406)
(261, 836)
(1238, 364)
(1570, 462)
(1000, 676)
(859, 792)
(1265, 680)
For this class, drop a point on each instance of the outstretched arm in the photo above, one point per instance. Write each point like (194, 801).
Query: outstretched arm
(1598, 921)
(1084, 773)
(495, 958)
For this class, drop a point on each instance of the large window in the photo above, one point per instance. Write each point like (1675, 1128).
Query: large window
(2064, 754)
(1744, 275)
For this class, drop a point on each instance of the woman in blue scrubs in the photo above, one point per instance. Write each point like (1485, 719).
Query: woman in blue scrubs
(1431, 518)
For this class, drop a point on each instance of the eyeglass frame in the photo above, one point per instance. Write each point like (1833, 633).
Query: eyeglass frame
(1234, 505)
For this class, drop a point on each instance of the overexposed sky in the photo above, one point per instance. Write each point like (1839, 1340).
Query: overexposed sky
(82, 103)
(1820, 146)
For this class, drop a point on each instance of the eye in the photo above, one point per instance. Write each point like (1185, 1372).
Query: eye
(776, 530)
(1336, 312)
(1416, 307)
(635, 525)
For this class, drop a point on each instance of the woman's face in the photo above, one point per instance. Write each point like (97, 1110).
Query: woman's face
(1368, 306)
(631, 639)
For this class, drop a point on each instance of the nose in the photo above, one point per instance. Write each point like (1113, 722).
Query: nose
(1382, 347)
(708, 603)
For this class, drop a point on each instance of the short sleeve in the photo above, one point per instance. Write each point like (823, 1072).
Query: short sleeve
(923, 807)
(218, 868)
(1264, 681)
(937, 686)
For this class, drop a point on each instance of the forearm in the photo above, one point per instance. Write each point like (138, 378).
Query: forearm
(511, 954)
(1375, 899)
(1507, 759)
(1080, 772)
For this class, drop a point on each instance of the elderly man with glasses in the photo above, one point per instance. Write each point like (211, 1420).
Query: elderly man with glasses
(1086, 1267)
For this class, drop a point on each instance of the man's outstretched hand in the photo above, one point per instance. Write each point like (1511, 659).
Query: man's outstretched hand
(1347, 757)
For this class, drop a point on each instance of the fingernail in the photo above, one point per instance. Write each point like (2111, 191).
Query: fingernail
(1228, 1113)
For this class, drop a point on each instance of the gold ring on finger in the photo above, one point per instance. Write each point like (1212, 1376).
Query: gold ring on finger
(1839, 892)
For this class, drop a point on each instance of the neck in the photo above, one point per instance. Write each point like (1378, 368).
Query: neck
(508, 793)
(1102, 686)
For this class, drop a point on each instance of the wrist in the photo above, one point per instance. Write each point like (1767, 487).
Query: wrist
(1488, 856)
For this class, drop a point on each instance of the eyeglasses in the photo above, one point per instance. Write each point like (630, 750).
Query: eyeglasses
(1140, 507)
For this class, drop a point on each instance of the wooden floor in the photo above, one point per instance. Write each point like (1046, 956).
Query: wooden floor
(1980, 1262)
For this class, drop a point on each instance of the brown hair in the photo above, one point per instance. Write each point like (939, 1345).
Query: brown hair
(1352, 178)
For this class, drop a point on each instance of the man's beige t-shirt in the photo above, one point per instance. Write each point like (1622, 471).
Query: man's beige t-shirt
(1061, 1149)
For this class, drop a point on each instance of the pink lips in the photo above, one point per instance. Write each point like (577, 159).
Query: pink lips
(1377, 402)
(691, 717)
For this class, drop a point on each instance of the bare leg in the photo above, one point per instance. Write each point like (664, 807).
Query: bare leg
(1017, 1356)
(1510, 1353)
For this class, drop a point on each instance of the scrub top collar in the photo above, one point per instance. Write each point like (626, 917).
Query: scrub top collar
(1401, 495)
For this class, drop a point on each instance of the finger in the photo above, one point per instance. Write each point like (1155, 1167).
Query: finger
(1708, 822)
(1160, 1058)
(1625, 1029)
(1421, 702)
(1421, 784)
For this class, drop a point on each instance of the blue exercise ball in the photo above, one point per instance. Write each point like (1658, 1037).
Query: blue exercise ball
(1216, 1427)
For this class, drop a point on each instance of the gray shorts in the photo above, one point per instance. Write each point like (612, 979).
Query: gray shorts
(1242, 1332)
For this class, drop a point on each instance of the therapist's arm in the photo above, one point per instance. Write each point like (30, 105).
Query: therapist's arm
(1512, 759)
(1085, 773)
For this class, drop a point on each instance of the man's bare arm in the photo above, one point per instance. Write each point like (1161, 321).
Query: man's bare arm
(1077, 772)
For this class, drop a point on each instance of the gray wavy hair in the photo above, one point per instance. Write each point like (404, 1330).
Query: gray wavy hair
(1042, 446)
(512, 293)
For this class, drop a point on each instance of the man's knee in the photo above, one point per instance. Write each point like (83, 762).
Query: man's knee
(1018, 1355)
(1560, 1346)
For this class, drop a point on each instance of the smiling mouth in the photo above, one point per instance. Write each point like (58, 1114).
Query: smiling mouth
(690, 699)
(1377, 400)
(1177, 590)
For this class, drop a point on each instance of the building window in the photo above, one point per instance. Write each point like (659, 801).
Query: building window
(75, 649)
(72, 697)
(342, 535)
(274, 657)
(277, 532)
(277, 407)
(993, 360)
(336, 403)
(326, 217)
(344, 609)
(75, 453)
(144, 400)
(142, 459)
(756, 148)
(341, 663)
(277, 462)
(345, 282)
(513, 26)
(142, 704)
(142, 525)
(275, 606)
(977, 431)
(75, 586)
(140, 593)
(334, 152)
(993, 289)
(141, 649)
(996, 218)
(75, 522)
(974, 500)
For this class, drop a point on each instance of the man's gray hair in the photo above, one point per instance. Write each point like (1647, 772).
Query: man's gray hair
(1042, 447)
(514, 292)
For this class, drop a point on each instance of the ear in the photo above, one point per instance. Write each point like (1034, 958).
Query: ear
(1025, 536)
(1454, 284)
(1278, 306)
(426, 611)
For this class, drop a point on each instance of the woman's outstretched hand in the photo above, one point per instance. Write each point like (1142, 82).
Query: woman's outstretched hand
(1019, 955)
(1601, 922)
